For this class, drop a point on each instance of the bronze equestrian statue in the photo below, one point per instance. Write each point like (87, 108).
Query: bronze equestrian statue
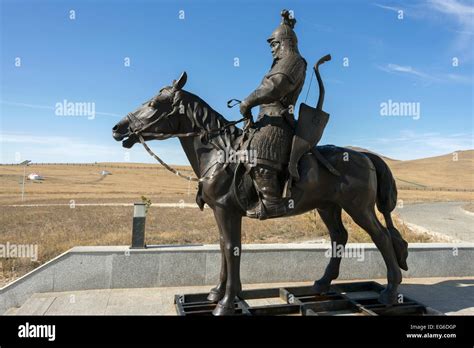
(327, 178)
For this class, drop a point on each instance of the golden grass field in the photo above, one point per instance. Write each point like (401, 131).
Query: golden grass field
(57, 228)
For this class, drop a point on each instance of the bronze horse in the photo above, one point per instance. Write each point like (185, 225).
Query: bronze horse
(365, 181)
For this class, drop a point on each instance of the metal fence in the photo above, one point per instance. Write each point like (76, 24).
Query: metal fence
(99, 165)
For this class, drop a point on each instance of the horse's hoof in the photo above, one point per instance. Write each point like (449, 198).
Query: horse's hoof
(321, 287)
(223, 310)
(215, 295)
(388, 297)
(403, 262)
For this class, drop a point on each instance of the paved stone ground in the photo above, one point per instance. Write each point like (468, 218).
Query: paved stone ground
(447, 218)
(453, 296)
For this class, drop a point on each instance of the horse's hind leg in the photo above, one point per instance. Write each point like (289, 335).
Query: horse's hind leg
(366, 218)
(332, 219)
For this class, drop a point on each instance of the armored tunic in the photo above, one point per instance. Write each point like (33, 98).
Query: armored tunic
(272, 133)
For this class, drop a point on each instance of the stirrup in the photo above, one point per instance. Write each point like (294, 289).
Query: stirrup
(261, 212)
(256, 211)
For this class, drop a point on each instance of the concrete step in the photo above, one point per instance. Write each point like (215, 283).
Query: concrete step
(11, 311)
(136, 301)
(37, 304)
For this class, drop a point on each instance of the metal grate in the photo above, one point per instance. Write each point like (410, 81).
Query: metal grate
(359, 298)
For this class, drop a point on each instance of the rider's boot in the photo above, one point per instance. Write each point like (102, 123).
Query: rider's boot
(271, 203)
(298, 148)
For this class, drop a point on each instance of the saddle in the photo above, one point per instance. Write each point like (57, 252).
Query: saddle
(243, 187)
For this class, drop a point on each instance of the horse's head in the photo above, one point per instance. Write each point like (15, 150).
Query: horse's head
(154, 119)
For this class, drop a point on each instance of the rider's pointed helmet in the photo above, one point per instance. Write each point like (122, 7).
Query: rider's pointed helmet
(285, 30)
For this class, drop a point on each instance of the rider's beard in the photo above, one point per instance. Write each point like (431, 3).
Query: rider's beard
(282, 53)
(286, 49)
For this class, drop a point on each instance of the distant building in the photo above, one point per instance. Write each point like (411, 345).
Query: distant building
(35, 176)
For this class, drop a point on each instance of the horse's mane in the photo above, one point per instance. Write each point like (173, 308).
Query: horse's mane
(203, 116)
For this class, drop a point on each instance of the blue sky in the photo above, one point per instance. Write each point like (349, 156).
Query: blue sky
(407, 60)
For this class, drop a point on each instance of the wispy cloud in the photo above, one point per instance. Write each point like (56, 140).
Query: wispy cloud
(406, 69)
(390, 8)
(411, 9)
(450, 9)
(42, 148)
(49, 107)
(409, 70)
(452, 15)
(55, 146)
(458, 78)
(463, 13)
(409, 144)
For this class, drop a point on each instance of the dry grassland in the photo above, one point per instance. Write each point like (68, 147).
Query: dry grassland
(55, 229)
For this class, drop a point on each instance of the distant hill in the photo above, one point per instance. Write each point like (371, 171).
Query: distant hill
(446, 171)
(453, 170)
(361, 149)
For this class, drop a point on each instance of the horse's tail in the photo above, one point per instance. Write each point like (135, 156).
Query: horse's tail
(386, 202)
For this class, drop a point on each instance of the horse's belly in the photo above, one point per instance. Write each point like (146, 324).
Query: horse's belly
(316, 188)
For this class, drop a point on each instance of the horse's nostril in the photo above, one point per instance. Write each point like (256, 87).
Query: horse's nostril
(115, 128)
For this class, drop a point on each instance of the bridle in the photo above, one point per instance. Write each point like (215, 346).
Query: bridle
(140, 134)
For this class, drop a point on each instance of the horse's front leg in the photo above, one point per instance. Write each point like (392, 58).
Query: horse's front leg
(230, 223)
(217, 293)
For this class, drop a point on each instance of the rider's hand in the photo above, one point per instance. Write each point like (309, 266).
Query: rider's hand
(248, 124)
(245, 110)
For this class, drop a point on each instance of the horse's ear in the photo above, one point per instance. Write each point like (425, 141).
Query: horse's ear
(178, 85)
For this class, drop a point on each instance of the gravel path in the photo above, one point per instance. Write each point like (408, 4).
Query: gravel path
(444, 218)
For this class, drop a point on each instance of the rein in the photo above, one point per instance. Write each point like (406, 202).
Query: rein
(164, 164)
(139, 133)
